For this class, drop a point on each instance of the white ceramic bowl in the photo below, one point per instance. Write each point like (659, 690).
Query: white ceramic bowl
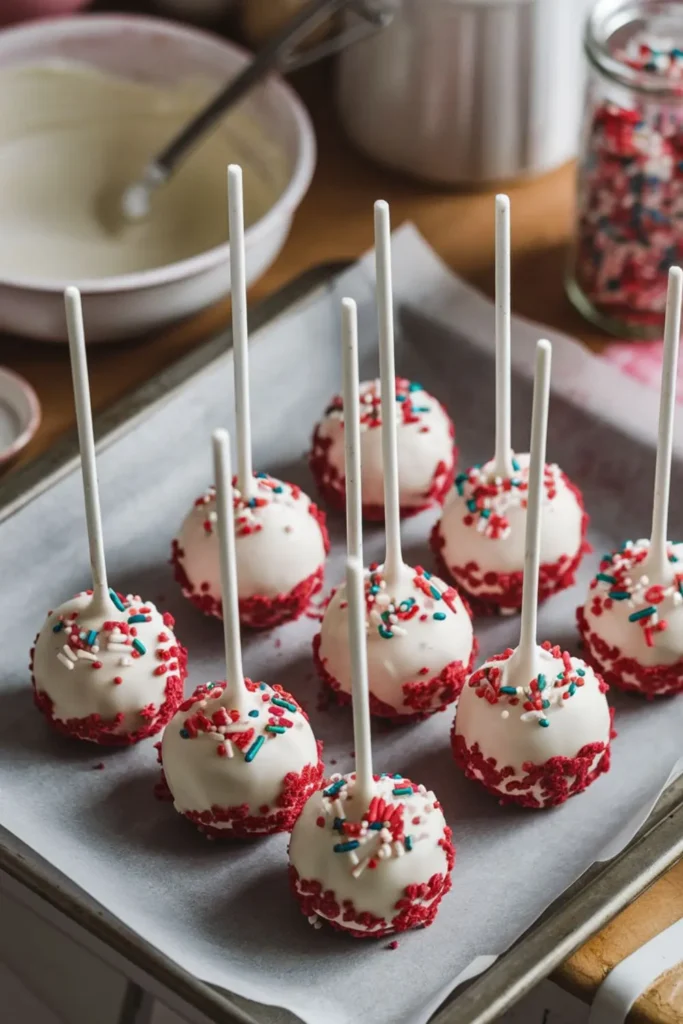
(159, 52)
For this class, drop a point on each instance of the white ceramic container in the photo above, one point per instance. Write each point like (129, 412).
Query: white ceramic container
(160, 52)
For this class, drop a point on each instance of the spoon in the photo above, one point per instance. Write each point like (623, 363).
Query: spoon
(134, 203)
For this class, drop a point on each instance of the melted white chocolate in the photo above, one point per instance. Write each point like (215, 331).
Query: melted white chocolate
(71, 135)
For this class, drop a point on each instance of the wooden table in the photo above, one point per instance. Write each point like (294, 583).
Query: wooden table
(335, 222)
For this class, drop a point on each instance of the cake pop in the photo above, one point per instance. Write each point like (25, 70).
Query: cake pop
(533, 725)
(371, 855)
(632, 622)
(281, 539)
(239, 757)
(479, 541)
(106, 667)
(419, 632)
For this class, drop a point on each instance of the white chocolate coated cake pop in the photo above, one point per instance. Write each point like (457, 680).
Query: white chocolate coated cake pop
(239, 757)
(533, 725)
(105, 667)
(426, 450)
(370, 855)
(479, 541)
(632, 621)
(420, 643)
(281, 540)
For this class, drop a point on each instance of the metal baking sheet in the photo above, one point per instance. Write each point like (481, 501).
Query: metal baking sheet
(577, 914)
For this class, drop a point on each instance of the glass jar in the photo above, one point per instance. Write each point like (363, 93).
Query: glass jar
(629, 224)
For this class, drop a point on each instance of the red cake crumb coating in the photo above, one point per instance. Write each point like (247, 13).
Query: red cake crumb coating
(618, 671)
(507, 597)
(256, 612)
(98, 730)
(417, 908)
(419, 694)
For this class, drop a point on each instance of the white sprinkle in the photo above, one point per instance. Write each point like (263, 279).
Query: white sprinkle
(70, 653)
(125, 662)
(505, 714)
(118, 648)
(229, 749)
(65, 661)
(95, 649)
(87, 656)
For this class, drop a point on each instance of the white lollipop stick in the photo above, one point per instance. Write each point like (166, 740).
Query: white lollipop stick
(393, 562)
(355, 591)
(502, 463)
(525, 657)
(657, 565)
(354, 511)
(228, 565)
(86, 440)
(240, 332)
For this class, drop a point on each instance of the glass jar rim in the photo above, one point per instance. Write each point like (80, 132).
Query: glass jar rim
(606, 18)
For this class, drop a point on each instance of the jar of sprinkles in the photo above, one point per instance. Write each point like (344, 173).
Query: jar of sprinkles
(630, 181)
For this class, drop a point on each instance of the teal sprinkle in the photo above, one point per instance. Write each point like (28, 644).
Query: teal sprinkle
(275, 728)
(91, 637)
(263, 686)
(374, 589)
(253, 714)
(460, 481)
(386, 634)
(572, 689)
(580, 671)
(261, 476)
(545, 704)
(560, 677)
(427, 575)
(117, 600)
(409, 843)
(541, 680)
(82, 636)
(406, 605)
(402, 791)
(605, 578)
(619, 595)
(277, 490)
(254, 748)
(210, 686)
(543, 722)
(472, 505)
(352, 844)
(185, 734)
(485, 513)
(607, 558)
(335, 787)
(435, 593)
(511, 690)
(515, 465)
(421, 408)
(673, 558)
(136, 618)
(338, 825)
(139, 646)
(397, 775)
(59, 626)
(400, 398)
(644, 613)
(680, 587)
(414, 386)
(439, 616)
(376, 826)
(284, 704)
(251, 503)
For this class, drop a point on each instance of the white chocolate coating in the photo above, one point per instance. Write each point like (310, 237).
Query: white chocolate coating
(514, 736)
(278, 544)
(644, 640)
(495, 541)
(425, 440)
(110, 676)
(206, 770)
(419, 648)
(372, 890)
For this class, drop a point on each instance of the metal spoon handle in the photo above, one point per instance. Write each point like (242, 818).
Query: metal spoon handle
(270, 57)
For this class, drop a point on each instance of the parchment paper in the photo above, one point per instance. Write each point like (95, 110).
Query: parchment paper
(224, 912)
